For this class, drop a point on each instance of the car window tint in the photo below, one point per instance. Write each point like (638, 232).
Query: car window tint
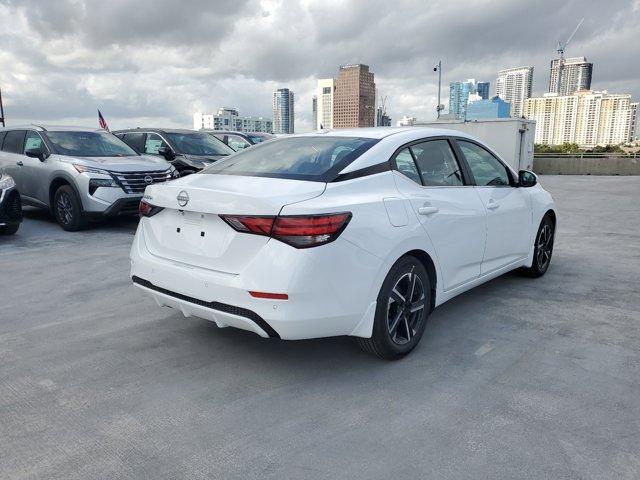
(406, 166)
(33, 141)
(134, 140)
(2, 134)
(486, 169)
(437, 163)
(236, 142)
(13, 141)
(315, 158)
(153, 144)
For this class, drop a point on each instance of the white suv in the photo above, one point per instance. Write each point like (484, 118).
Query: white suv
(78, 173)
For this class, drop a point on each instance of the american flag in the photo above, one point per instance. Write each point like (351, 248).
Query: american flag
(101, 122)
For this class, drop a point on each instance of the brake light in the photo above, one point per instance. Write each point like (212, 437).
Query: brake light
(147, 210)
(299, 231)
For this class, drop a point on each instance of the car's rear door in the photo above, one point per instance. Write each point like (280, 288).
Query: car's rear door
(13, 160)
(429, 175)
(508, 207)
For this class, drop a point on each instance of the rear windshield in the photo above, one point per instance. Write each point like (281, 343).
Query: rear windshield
(201, 144)
(316, 158)
(89, 144)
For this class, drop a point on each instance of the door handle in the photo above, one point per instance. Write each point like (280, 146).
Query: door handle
(19, 163)
(428, 210)
(492, 205)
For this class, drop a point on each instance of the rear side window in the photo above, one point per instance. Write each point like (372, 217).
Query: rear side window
(13, 141)
(406, 166)
(437, 164)
(314, 158)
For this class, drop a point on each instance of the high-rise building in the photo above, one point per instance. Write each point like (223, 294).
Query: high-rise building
(633, 122)
(586, 117)
(314, 109)
(490, 108)
(569, 75)
(406, 121)
(230, 119)
(382, 119)
(514, 86)
(324, 91)
(459, 93)
(354, 99)
(283, 111)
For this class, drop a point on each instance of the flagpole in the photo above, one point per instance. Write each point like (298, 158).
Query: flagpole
(1, 110)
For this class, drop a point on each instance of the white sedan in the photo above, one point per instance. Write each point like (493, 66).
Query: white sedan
(352, 232)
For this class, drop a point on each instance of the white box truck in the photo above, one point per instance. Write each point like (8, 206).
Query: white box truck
(511, 138)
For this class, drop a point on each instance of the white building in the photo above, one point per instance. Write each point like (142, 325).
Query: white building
(633, 122)
(229, 119)
(283, 111)
(588, 118)
(406, 121)
(324, 106)
(514, 86)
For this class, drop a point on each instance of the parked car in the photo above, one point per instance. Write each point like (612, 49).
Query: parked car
(352, 232)
(240, 140)
(78, 173)
(187, 150)
(10, 206)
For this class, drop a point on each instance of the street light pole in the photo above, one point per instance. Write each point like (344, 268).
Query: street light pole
(1, 110)
(438, 68)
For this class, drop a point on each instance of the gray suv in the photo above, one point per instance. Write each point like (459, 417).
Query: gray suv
(78, 173)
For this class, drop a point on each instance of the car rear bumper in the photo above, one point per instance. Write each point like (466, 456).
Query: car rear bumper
(330, 289)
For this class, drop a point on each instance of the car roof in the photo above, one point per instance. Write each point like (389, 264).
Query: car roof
(160, 130)
(383, 132)
(52, 128)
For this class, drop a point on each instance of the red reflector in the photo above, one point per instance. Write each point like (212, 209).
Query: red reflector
(144, 208)
(272, 296)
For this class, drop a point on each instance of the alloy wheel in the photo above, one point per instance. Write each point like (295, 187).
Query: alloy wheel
(405, 308)
(65, 208)
(544, 247)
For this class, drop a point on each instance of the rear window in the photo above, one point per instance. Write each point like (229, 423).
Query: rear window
(316, 158)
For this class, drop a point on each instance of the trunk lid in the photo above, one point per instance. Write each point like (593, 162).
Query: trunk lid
(190, 231)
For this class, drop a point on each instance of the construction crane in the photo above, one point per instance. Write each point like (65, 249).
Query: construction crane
(563, 46)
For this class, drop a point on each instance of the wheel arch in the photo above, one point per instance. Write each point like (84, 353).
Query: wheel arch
(59, 181)
(427, 261)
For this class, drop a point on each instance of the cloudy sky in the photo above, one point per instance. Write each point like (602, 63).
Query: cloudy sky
(155, 62)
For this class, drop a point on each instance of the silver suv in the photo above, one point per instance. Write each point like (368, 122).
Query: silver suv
(78, 173)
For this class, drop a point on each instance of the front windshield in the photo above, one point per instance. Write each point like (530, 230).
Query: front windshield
(199, 144)
(89, 144)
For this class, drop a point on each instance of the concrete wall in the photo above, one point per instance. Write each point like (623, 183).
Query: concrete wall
(586, 166)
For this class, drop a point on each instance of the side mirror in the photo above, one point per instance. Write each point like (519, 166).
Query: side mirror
(38, 153)
(527, 178)
(167, 153)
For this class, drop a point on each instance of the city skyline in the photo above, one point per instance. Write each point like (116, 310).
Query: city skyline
(72, 58)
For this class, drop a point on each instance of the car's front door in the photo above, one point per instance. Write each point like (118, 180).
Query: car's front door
(34, 173)
(508, 207)
(430, 177)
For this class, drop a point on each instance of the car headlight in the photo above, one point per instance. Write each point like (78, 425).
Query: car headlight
(96, 183)
(84, 169)
(6, 182)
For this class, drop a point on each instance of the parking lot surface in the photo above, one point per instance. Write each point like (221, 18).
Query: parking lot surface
(518, 378)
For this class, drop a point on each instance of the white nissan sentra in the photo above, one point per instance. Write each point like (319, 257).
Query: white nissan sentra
(352, 232)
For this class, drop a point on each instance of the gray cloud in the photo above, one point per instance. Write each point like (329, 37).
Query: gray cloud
(159, 60)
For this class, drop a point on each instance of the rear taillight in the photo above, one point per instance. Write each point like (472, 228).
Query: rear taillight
(300, 231)
(147, 210)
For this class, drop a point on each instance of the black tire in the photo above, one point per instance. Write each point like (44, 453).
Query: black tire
(398, 327)
(67, 209)
(543, 249)
(9, 229)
